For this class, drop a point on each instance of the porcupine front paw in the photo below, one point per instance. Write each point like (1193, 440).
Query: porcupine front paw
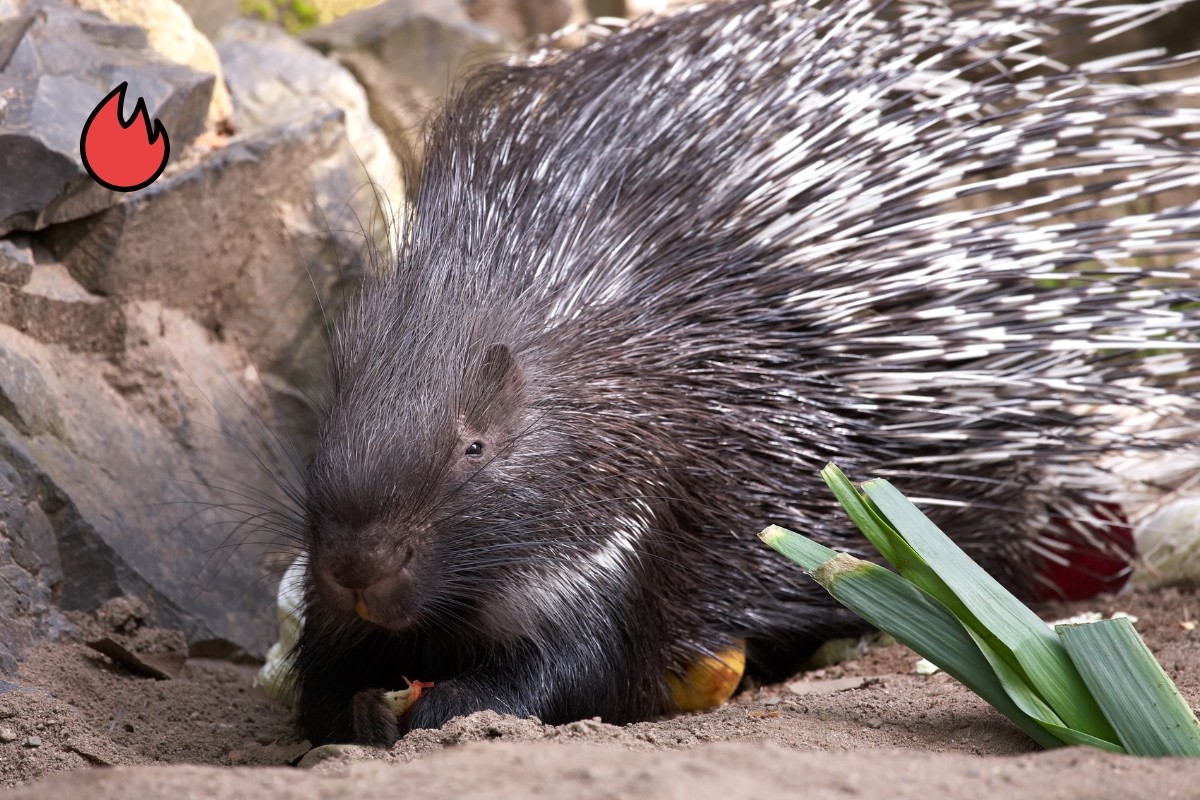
(449, 699)
(374, 720)
(377, 722)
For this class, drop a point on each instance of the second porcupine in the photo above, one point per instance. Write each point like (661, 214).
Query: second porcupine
(648, 288)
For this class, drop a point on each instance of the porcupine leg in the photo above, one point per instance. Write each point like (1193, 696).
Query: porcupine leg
(558, 682)
(373, 722)
(333, 665)
(555, 697)
(563, 676)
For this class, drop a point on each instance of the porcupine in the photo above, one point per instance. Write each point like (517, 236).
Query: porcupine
(647, 288)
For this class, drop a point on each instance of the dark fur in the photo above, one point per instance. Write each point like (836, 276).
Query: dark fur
(684, 396)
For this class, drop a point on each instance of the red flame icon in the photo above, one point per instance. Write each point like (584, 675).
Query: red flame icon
(120, 155)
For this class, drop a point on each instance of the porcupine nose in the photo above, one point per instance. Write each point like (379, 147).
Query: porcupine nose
(376, 587)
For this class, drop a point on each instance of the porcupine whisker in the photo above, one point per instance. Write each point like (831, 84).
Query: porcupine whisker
(254, 514)
(253, 497)
(290, 493)
(257, 524)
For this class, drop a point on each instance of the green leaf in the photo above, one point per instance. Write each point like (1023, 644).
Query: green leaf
(1036, 651)
(911, 615)
(804, 551)
(1137, 696)
(890, 543)
(1095, 684)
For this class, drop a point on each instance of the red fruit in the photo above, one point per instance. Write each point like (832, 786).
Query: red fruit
(1081, 558)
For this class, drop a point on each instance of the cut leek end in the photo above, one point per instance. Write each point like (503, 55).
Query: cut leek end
(1081, 685)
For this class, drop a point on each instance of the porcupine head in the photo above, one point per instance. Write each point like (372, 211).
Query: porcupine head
(458, 529)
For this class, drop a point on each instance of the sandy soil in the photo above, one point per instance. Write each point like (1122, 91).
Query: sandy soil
(867, 727)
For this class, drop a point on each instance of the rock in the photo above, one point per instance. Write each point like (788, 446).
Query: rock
(407, 55)
(26, 403)
(209, 16)
(16, 261)
(241, 242)
(29, 563)
(122, 614)
(133, 328)
(59, 64)
(639, 8)
(341, 754)
(161, 666)
(426, 39)
(827, 686)
(520, 20)
(32, 741)
(104, 462)
(275, 78)
(1157, 490)
(139, 332)
(170, 31)
(1168, 544)
(52, 307)
(397, 105)
(607, 8)
(7, 735)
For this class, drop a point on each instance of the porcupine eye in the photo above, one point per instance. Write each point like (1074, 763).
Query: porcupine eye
(475, 449)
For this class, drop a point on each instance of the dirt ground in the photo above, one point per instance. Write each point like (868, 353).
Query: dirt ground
(867, 727)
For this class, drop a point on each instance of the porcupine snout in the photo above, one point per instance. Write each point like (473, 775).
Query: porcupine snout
(374, 581)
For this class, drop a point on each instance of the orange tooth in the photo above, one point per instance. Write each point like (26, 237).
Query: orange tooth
(360, 606)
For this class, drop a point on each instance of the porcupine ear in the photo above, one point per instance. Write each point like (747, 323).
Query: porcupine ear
(500, 384)
(501, 371)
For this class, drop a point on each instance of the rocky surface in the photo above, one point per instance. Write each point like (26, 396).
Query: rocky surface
(520, 20)
(171, 33)
(240, 241)
(406, 54)
(150, 340)
(426, 41)
(276, 79)
(56, 64)
(105, 465)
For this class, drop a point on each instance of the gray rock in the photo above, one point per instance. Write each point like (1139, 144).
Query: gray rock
(210, 16)
(275, 79)
(56, 64)
(171, 32)
(29, 565)
(52, 307)
(520, 20)
(143, 334)
(16, 260)
(407, 54)
(26, 402)
(424, 39)
(397, 104)
(241, 242)
(98, 501)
